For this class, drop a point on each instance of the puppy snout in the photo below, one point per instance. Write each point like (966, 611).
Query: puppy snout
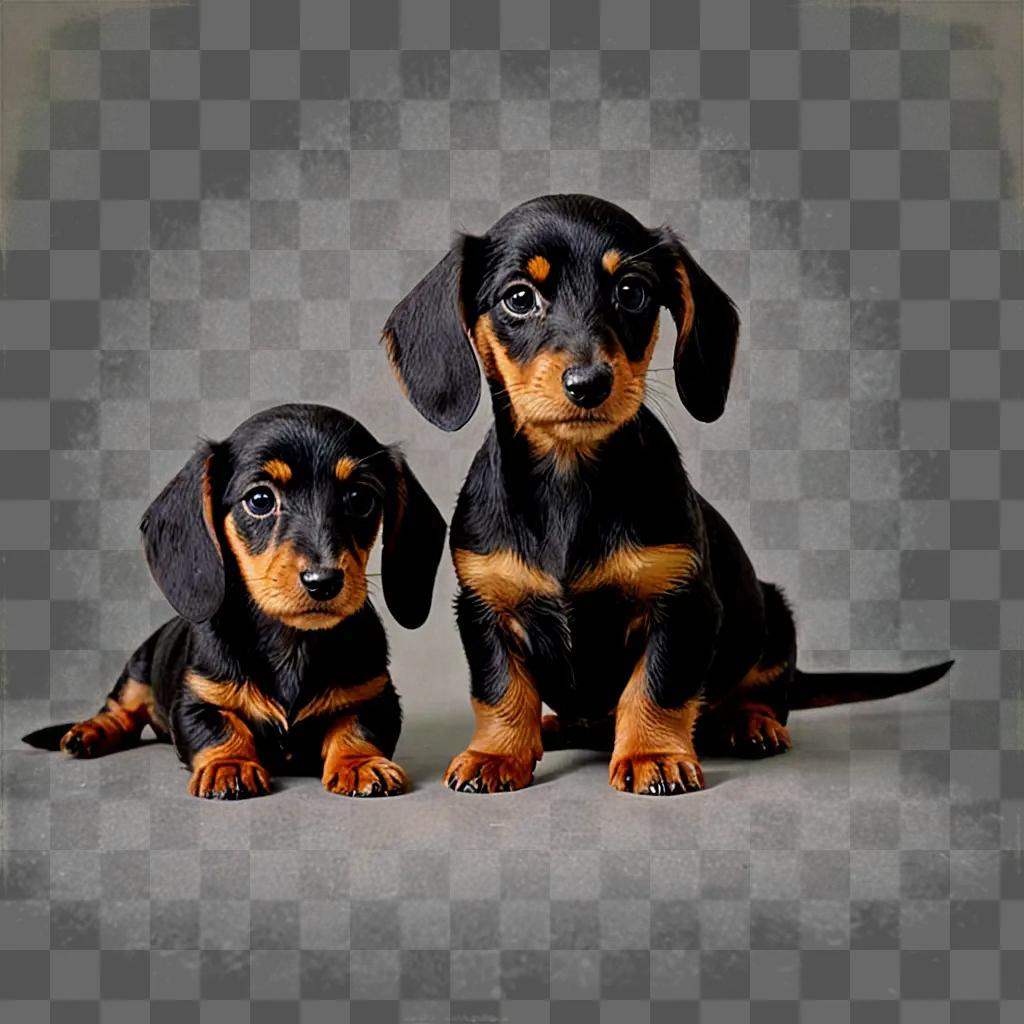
(588, 385)
(322, 584)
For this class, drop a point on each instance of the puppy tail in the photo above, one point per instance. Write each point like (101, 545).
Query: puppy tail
(824, 689)
(47, 738)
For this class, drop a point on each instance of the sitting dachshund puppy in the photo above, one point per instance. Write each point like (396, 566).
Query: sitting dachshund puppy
(277, 660)
(593, 578)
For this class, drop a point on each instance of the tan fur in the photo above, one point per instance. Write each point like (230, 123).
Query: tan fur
(345, 467)
(353, 765)
(540, 409)
(245, 698)
(208, 504)
(272, 578)
(502, 579)
(538, 268)
(611, 260)
(506, 743)
(392, 356)
(234, 760)
(339, 698)
(686, 323)
(653, 743)
(761, 676)
(118, 725)
(278, 471)
(643, 572)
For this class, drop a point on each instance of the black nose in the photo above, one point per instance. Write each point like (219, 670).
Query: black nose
(588, 386)
(322, 584)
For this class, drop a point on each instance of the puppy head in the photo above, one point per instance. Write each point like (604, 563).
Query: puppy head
(560, 302)
(294, 500)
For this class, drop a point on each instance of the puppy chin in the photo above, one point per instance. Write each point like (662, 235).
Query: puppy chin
(582, 430)
(312, 620)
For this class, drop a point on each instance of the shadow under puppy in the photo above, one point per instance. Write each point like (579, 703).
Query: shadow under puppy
(277, 660)
(593, 577)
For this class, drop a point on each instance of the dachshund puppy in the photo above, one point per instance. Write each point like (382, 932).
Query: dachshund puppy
(277, 660)
(593, 578)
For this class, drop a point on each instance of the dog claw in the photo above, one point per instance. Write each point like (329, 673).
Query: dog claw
(365, 777)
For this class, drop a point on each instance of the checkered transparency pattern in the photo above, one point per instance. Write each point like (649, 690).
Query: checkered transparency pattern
(211, 209)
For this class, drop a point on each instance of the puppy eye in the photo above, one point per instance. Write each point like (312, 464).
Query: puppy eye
(260, 502)
(359, 502)
(520, 300)
(631, 294)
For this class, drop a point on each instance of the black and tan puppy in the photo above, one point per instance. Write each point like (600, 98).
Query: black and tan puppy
(277, 660)
(593, 577)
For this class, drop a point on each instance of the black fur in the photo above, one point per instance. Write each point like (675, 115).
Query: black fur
(561, 515)
(225, 632)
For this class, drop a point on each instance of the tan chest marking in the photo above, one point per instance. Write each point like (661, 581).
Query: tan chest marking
(641, 572)
(502, 579)
(341, 698)
(243, 698)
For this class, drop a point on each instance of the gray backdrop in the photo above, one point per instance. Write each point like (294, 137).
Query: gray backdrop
(210, 210)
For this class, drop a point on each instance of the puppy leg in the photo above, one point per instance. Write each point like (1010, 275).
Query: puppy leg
(749, 720)
(654, 752)
(117, 725)
(506, 743)
(356, 747)
(129, 708)
(231, 770)
(220, 748)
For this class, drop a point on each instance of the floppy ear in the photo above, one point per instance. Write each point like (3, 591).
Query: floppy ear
(182, 549)
(413, 541)
(707, 326)
(427, 341)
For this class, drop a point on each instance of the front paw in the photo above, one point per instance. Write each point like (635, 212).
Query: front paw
(229, 780)
(476, 772)
(656, 774)
(365, 776)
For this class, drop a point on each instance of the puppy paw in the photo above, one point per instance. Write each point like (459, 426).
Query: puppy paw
(656, 774)
(759, 735)
(364, 776)
(87, 739)
(475, 772)
(229, 780)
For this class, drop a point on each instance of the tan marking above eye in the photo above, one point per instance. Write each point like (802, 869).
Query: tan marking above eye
(278, 471)
(345, 467)
(643, 572)
(502, 579)
(538, 267)
(611, 260)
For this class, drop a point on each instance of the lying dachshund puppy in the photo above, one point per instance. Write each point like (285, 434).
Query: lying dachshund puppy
(276, 659)
(593, 577)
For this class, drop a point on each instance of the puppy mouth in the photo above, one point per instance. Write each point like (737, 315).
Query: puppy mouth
(572, 421)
